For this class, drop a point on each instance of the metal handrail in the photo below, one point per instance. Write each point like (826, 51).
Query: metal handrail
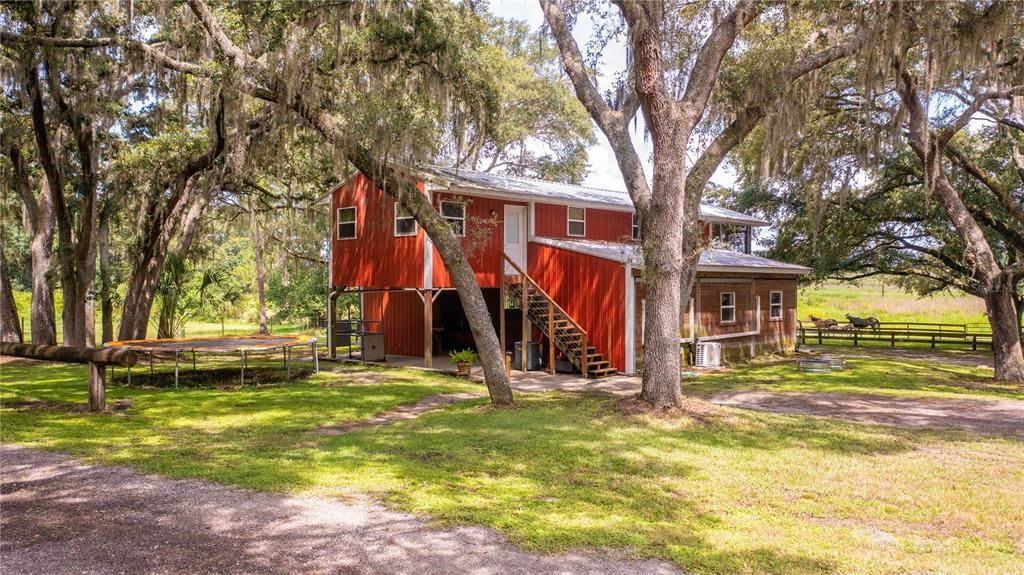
(545, 294)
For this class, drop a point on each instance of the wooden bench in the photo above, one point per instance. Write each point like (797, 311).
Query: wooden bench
(97, 358)
(814, 365)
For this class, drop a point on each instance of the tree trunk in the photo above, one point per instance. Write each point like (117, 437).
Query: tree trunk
(10, 325)
(257, 249)
(1006, 347)
(105, 292)
(43, 313)
(40, 216)
(662, 230)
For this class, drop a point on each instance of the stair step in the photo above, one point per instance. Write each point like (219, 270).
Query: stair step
(601, 372)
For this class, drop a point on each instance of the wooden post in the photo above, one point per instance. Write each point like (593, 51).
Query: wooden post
(892, 341)
(526, 326)
(332, 333)
(428, 328)
(583, 356)
(501, 319)
(97, 386)
(508, 365)
(551, 337)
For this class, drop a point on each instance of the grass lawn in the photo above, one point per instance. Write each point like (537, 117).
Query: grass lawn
(740, 492)
(888, 304)
(867, 372)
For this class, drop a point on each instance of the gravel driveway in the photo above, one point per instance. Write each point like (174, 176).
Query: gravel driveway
(60, 516)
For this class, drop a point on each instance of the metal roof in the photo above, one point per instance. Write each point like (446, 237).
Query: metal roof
(711, 260)
(529, 188)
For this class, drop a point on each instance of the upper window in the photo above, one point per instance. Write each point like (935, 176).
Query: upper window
(347, 223)
(728, 307)
(730, 237)
(577, 222)
(455, 214)
(405, 224)
(636, 226)
(775, 305)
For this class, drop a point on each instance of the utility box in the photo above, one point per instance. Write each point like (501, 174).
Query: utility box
(532, 356)
(373, 347)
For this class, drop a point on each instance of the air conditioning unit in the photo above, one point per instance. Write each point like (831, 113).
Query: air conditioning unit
(708, 354)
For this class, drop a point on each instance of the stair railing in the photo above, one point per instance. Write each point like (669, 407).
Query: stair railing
(527, 283)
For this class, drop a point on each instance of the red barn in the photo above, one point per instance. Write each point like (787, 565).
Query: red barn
(567, 254)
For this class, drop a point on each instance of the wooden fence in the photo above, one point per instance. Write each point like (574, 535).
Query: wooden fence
(899, 333)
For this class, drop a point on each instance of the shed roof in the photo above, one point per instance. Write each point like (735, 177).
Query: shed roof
(711, 260)
(531, 188)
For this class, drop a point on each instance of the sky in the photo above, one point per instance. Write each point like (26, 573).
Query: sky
(604, 171)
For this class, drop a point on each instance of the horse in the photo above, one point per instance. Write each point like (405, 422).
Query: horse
(863, 322)
(824, 323)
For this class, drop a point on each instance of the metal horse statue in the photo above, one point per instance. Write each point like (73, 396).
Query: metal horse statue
(863, 322)
(824, 323)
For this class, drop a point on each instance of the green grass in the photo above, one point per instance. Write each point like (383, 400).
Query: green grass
(888, 304)
(866, 372)
(744, 492)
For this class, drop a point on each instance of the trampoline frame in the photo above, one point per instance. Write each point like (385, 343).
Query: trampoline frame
(145, 346)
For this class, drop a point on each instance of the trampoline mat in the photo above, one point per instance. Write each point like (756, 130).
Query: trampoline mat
(217, 343)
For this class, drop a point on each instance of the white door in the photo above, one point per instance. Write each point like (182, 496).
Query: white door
(515, 236)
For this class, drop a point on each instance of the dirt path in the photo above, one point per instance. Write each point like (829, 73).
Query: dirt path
(400, 413)
(60, 516)
(996, 417)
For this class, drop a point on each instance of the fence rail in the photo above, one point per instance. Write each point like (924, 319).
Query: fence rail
(893, 333)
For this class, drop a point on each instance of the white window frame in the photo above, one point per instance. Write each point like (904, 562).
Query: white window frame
(569, 221)
(355, 223)
(722, 307)
(415, 224)
(635, 230)
(772, 305)
(448, 219)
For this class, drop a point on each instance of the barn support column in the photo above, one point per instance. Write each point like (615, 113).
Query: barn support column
(427, 296)
(332, 323)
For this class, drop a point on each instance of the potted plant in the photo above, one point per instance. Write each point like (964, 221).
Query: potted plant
(463, 360)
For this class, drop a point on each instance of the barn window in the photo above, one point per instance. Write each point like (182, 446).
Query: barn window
(577, 222)
(636, 226)
(727, 312)
(455, 214)
(405, 224)
(775, 306)
(347, 223)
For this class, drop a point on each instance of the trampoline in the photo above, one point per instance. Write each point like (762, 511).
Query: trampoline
(224, 344)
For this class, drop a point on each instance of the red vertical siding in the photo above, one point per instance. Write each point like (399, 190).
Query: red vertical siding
(484, 241)
(592, 290)
(376, 258)
(402, 313)
(606, 225)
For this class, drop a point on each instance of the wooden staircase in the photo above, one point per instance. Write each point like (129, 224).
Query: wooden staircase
(554, 323)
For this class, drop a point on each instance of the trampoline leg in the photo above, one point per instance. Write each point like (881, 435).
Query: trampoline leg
(316, 360)
(150, 367)
(193, 362)
(287, 365)
(175, 369)
(243, 368)
(129, 377)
